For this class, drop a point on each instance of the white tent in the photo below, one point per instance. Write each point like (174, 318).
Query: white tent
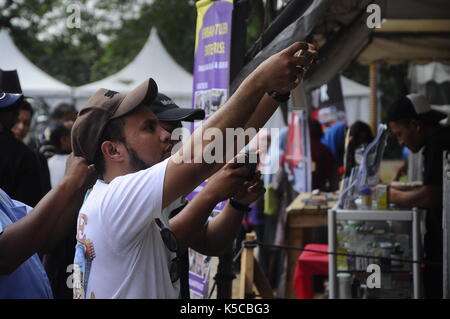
(153, 61)
(431, 72)
(34, 81)
(356, 100)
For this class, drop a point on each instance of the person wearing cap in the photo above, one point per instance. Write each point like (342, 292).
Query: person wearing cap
(417, 127)
(19, 169)
(126, 248)
(170, 116)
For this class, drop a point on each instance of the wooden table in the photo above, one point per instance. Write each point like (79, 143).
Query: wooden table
(304, 213)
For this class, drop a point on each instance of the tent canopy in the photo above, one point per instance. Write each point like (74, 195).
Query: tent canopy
(34, 81)
(412, 30)
(152, 61)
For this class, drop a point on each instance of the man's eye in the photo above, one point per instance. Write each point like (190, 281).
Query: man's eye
(150, 127)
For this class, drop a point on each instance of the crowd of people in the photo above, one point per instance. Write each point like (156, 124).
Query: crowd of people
(102, 195)
(134, 225)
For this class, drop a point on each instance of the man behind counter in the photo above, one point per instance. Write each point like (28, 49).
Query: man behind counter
(416, 126)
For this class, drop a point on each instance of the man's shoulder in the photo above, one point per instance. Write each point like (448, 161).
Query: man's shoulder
(149, 173)
(441, 139)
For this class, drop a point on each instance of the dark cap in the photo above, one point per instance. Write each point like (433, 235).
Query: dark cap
(414, 106)
(9, 81)
(9, 100)
(102, 107)
(166, 110)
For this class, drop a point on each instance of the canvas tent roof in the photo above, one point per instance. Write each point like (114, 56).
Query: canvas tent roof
(152, 61)
(353, 88)
(34, 81)
(414, 30)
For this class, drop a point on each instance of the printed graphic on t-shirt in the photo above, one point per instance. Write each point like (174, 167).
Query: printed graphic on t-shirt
(84, 255)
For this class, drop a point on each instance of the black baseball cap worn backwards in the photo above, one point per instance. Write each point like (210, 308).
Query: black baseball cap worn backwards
(165, 109)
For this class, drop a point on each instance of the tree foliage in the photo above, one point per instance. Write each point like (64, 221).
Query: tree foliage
(111, 33)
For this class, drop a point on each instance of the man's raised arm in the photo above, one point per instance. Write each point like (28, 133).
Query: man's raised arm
(187, 168)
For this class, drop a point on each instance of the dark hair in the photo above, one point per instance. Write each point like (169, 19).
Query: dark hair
(58, 130)
(61, 108)
(26, 106)
(315, 129)
(113, 131)
(402, 111)
(361, 133)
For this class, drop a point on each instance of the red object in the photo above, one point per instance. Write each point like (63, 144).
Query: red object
(293, 152)
(308, 265)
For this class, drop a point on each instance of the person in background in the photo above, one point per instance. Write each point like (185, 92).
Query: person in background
(416, 126)
(19, 169)
(25, 231)
(21, 130)
(334, 139)
(23, 124)
(60, 139)
(63, 111)
(325, 174)
(360, 135)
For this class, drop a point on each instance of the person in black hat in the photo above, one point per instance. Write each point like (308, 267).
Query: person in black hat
(25, 231)
(19, 170)
(417, 127)
(126, 247)
(170, 116)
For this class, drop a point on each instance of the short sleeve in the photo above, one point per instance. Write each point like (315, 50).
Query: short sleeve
(132, 202)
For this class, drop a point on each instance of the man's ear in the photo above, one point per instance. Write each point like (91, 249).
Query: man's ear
(112, 150)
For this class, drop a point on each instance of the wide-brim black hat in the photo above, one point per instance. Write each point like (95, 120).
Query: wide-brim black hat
(9, 82)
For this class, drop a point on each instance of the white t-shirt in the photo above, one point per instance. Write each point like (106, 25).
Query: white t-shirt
(120, 252)
(56, 168)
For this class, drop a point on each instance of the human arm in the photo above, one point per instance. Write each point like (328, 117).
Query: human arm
(279, 73)
(190, 225)
(427, 196)
(221, 230)
(49, 221)
(401, 171)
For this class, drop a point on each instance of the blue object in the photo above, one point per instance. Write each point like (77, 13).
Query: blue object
(8, 99)
(405, 153)
(29, 280)
(334, 138)
(366, 191)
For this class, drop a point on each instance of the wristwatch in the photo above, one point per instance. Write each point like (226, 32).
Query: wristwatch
(236, 205)
(279, 97)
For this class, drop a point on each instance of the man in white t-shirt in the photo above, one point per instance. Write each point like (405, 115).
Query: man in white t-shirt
(126, 249)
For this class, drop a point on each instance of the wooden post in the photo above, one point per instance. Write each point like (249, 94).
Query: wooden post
(247, 268)
(373, 104)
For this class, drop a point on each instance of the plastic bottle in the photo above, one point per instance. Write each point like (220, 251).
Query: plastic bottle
(366, 198)
(345, 283)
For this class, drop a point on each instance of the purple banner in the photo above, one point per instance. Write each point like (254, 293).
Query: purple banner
(212, 60)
